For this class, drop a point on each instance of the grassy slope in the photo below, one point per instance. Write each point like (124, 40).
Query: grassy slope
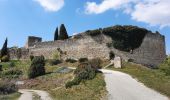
(54, 83)
(153, 78)
(13, 96)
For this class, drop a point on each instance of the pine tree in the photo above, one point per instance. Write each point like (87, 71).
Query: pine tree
(56, 34)
(4, 50)
(63, 33)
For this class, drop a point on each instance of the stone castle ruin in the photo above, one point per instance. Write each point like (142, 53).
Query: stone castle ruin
(147, 49)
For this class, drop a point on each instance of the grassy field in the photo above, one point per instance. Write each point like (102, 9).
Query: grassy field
(13, 96)
(153, 78)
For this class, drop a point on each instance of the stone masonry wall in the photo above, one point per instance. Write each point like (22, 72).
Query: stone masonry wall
(151, 52)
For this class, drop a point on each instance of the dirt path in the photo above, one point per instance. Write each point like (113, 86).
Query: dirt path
(122, 86)
(28, 94)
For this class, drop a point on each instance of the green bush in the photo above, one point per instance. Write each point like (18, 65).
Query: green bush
(165, 66)
(5, 58)
(11, 64)
(11, 73)
(53, 62)
(95, 63)
(37, 67)
(71, 60)
(7, 88)
(84, 71)
(75, 81)
(83, 60)
(93, 32)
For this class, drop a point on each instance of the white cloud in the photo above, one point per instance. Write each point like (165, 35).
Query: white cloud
(51, 5)
(92, 7)
(153, 12)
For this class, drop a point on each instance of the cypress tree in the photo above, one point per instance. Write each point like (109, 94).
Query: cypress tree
(63, 33)
(4, 50)
(56, 34)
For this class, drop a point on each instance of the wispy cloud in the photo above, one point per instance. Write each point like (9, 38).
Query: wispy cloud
(153, 12)
(51, 5)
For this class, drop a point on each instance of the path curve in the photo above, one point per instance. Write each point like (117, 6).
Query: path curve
(27, 94)
(122, 86)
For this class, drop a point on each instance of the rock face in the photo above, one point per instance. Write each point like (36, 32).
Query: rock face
(151, 52)
(117, 62)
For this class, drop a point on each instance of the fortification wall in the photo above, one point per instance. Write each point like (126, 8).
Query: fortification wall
(73, 48)
(151, 52)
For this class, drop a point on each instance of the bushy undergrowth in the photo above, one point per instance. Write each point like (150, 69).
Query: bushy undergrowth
(5, 58)
(37, 67)
(71, 60)
(7, 87)
(11, 73)
(83, 60)
(84, 71)
(165, 66)
(125, 38)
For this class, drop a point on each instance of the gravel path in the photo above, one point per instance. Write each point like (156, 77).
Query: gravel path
(27, 94)
(122, 86)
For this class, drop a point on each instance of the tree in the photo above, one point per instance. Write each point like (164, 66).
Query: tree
(56, 34)
(63, 33)
(4, 50)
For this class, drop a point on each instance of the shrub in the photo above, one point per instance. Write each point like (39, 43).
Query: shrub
(11, 73)
(83, 60)
(11, 64)
(31, 57)
(53, 62)
(111, 55)
(71, 60)
(37, 67)
(165, 66)
(5, 58)
(126, 37)
(95, 63)
(7, 88)
(75, 81)
(84, 71)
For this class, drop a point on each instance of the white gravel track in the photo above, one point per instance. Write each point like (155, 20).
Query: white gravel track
(121, 86)
(28, 94)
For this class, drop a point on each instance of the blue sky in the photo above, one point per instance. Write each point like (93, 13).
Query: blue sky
(22, 18)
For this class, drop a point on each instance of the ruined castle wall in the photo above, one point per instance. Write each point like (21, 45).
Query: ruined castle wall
(18, 53)
(151, 52)
(74, 48)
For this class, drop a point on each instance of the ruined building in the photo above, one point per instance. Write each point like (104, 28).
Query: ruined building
(96, 43)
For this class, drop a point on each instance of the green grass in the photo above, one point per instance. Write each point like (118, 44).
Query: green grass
(13, 96)
(88, 90)
(153, 78)
(54, 83)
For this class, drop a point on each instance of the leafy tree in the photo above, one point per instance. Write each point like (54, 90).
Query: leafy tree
(4, 50)
(37, 67)
(63, 33)
(56, 34)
